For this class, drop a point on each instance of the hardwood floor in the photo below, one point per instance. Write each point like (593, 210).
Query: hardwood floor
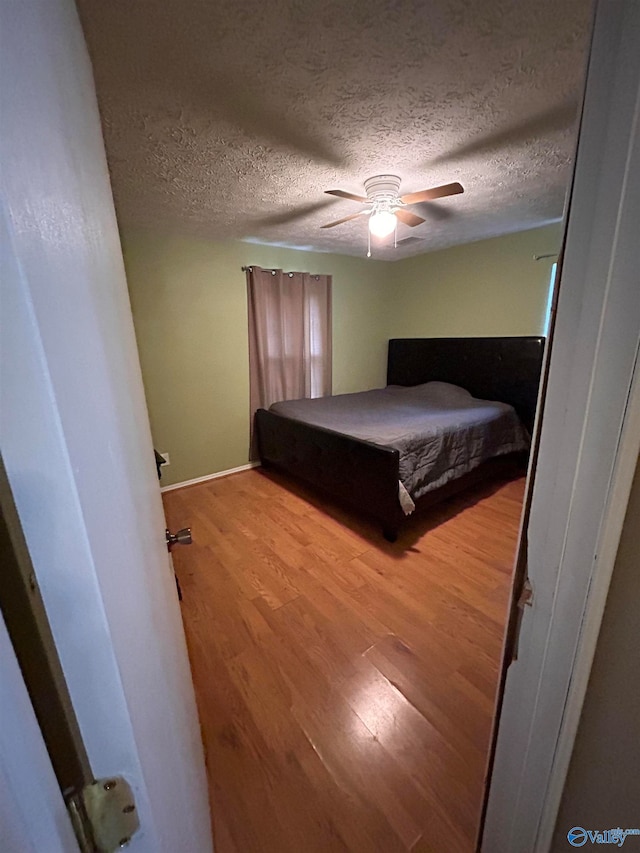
(345, 685)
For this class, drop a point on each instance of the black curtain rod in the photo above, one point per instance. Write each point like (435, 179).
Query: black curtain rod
(274, 270)
(266, 269)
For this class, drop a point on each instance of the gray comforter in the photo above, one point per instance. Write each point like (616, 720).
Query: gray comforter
(440, 430)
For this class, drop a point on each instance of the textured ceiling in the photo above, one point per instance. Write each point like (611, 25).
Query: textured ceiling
(228, 118)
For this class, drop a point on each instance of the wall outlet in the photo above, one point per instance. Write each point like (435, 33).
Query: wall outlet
(167, 459)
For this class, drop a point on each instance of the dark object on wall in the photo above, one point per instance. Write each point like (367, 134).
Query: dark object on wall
(365, 475)
(159, 463)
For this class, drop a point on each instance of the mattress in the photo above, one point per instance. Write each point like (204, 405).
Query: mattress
(440, 431)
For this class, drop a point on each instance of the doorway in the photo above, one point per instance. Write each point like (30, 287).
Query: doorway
(43, 463)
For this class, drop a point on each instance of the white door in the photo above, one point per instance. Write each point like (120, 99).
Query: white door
(75, 435)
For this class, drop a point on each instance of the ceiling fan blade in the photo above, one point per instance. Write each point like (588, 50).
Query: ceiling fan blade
(346, 219)
(351, 196)
(429, 195)
(409, 218)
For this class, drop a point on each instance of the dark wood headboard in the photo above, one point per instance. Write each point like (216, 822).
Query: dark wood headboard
(505, 369)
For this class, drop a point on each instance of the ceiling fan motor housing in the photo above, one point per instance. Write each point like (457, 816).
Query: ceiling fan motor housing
(383, 188)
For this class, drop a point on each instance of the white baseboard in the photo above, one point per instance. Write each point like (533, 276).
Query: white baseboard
(204, 479)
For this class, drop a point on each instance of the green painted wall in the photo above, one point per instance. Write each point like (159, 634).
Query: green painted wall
(492, 287)
(189, 306)
(190, 312)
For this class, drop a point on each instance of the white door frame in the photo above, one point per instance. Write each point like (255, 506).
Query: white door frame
(608, 542)
(33, 816)
(588, 449)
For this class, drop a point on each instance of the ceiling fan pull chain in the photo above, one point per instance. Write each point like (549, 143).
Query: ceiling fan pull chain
(369, 247)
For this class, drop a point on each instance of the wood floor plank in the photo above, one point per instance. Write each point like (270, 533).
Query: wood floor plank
(274, 700)
(353, 755)
(411, 675)
(345, 684)
(443, 777)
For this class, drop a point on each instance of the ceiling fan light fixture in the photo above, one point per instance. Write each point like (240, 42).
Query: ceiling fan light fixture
(382, 223)
(384, 206)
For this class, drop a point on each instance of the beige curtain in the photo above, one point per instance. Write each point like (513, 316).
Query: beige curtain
(289, 336)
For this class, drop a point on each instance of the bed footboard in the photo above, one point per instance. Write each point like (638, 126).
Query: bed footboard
(362, 474)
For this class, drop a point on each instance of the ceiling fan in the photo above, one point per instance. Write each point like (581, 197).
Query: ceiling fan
(385, 207)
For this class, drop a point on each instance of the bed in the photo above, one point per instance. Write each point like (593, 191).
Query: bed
(351, 448)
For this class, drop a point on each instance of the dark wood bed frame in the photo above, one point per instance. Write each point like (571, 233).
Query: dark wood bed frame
(365, 475)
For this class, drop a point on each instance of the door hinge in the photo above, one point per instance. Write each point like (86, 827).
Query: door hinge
(525, 599)
(103, 815)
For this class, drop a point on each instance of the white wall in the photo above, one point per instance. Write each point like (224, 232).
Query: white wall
(75, 435)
